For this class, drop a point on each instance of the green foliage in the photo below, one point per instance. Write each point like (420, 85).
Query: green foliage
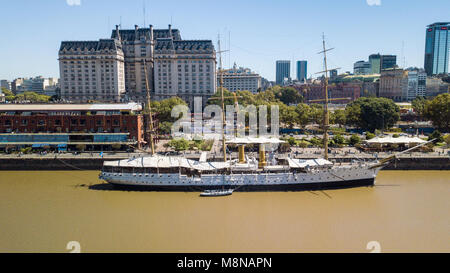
(355, 139)
(317, 142)
(372, 113)
(287, 95)
(183, 144)
(26, 150)
(25, 96)
(338, 139)
(436, 135)
(164, 108)
(369, 135)
(338, 117)
(179, 144)
(438, 111)
(419, 106)
(165, 127)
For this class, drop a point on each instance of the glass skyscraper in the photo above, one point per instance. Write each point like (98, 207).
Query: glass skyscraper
(437, 48)
(283, 71)
(302, 70)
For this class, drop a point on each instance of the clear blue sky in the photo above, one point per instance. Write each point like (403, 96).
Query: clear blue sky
(262, 31)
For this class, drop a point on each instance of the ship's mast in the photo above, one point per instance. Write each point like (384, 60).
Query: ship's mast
(326, 119)
(224, 147)
(149, 109)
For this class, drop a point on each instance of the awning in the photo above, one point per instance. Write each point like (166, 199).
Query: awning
(255, 140)
(301, 163)
(158, 161)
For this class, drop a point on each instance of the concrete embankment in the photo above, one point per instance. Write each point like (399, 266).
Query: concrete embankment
(95, 163)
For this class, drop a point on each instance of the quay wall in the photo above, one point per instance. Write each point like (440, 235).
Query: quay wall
(73, 163)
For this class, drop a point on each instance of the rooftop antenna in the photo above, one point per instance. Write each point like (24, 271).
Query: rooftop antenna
(403, 54)
(143, 3)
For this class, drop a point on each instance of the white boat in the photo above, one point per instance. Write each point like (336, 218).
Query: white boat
(216, 193)
(156, 172)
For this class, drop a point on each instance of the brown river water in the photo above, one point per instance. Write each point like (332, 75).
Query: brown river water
(408, 211)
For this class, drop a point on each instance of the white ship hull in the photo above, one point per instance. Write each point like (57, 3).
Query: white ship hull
(334, 177)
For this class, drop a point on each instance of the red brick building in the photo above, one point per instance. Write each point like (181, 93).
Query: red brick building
(348, 90)
(90, 123)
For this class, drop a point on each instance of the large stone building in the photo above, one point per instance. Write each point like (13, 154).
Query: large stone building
(394, 84)
(175, 67)
(240, 79)
(92, 71)
(184, 68)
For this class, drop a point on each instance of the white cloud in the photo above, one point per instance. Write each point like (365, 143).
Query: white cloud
(77, 2)
(373, 2)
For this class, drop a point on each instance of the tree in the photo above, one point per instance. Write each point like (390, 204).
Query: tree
(303, 113)
(316, 113)
(288, 95)
(338, 117)
(179, 144)
(32, 96)
(288, 115)
(418, 105)
(165, 127)
(354, 139)
(372, 113)
(436, 135)
(438, 111)
(164, 108)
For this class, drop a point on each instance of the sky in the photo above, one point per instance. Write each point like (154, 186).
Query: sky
(256, 32)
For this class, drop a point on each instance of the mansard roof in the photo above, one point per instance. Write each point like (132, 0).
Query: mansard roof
(102, 44)
(185, 45)
(129, 34)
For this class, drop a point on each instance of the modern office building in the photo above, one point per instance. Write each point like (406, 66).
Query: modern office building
(375, 63)
(417, 80)
(283, 72)
(437, 48)
(362, 68)
(175, 67)
(240, 79)
(379, 62)
(5, 84)
(302, 70)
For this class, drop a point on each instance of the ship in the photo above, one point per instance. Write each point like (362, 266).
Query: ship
(156, 172)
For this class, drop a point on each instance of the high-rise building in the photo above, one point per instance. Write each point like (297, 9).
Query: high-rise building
(302, 70)
(388, 61)
(375, 63)
(437, 48)
(5, 84)
(379, 62)
(417, 81)
(362, 68)
(175, 67)
(92, 70)
(283, 71)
